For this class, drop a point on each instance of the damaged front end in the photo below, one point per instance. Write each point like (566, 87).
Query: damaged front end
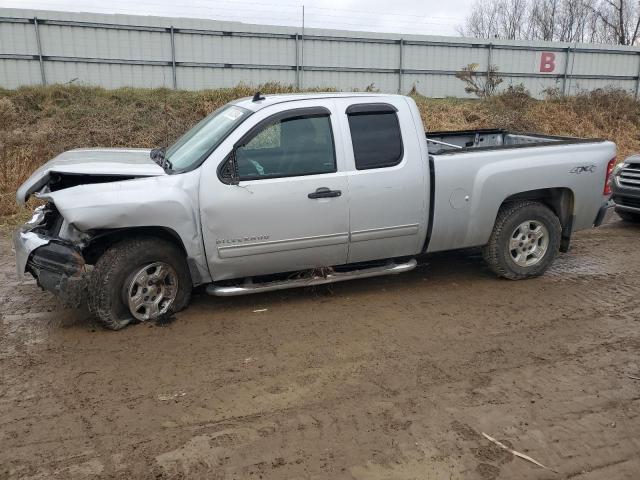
(47, 246)
(55, 262)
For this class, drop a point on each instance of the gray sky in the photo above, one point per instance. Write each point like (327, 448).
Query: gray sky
(400, 16)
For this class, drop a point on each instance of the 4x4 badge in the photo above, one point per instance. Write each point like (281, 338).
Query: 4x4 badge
(583, 169)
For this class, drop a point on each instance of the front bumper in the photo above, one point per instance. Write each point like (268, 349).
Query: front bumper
(627, 198)
(56, 265)
(627, 203)
(25, 242)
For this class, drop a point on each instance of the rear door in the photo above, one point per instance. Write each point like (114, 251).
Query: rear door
(290, 210)
(388, 180)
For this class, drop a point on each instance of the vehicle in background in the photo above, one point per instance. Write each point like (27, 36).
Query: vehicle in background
(297, 190)
(625, 185)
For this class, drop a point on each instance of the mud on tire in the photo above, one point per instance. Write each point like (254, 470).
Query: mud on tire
(499, 254)
(108, 283)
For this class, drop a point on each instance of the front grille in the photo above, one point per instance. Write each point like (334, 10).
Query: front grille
(629, 176)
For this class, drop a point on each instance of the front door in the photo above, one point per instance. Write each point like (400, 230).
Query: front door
(290, 209)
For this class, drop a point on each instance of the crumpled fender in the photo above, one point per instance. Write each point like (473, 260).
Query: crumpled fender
(168, 201)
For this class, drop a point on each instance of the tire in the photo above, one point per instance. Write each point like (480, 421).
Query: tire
(628, 216)
(111, 280)
(530, 256)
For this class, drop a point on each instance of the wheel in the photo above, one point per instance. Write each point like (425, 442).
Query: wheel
(524, 242)
(138, 279)
(628, 216)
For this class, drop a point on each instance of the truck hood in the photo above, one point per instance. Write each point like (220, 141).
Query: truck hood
(93, 162)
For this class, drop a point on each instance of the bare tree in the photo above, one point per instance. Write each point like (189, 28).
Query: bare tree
(602, 21)
(482, 22)
(573, 23)
(543, 19)
(495, 18)
(512, 17)
(621, 20)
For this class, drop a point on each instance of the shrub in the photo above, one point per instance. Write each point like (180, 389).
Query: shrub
(481, 84)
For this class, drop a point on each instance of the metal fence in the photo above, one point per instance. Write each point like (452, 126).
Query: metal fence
(45, 47)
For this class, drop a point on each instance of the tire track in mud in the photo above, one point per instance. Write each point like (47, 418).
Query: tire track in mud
(357, 423)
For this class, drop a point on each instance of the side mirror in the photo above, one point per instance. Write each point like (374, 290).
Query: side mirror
(230, 170)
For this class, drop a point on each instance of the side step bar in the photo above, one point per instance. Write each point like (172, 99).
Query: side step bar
(250, 287)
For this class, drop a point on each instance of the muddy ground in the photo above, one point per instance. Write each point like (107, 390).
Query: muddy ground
(386, 378)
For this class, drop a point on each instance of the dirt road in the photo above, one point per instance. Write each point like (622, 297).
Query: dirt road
(385, 378)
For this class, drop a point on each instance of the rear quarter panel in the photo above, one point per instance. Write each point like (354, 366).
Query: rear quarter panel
(471, 186)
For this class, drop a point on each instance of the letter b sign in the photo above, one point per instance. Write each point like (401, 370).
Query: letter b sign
(547, 62)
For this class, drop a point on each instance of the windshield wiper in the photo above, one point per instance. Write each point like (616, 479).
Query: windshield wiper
(158, 155)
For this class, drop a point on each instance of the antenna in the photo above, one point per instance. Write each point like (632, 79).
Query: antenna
(257, 97)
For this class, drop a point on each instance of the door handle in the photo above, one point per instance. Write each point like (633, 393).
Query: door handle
(324, 192)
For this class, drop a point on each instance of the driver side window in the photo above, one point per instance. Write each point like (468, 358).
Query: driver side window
(287, 147)
(267, 138)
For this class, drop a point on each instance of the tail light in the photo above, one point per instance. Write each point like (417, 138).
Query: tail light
(607, 180)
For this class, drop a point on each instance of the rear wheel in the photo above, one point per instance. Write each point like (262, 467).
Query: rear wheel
(628, 216)
(524, 242)
(138, 279)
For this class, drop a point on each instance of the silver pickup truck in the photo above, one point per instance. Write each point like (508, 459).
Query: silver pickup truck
(297, 190)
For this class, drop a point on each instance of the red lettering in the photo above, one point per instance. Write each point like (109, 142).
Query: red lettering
(547, 62)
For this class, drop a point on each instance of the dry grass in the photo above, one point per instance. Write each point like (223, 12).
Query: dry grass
(37, 123)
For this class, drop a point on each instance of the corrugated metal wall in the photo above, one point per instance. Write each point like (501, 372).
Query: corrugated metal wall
(49, 47)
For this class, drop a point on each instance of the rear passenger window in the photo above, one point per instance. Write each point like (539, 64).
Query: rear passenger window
(375, 135)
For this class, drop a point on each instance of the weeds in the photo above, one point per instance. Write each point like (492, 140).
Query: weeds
(37, 123)
(482, 85)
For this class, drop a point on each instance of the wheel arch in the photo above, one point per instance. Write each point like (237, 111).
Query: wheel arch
(104, 239)
(560, 200)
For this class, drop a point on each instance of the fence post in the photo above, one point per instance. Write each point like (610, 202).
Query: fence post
(301, 81)
(173, 58)
(489, 54)
(566, 71)
(297, 63)
(37, 30)
(401, 66)
(638, 79)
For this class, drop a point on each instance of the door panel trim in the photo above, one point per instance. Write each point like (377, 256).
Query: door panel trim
(232, 251)
(385, 232)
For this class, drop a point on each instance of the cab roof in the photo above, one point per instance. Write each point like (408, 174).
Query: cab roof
(249, 104)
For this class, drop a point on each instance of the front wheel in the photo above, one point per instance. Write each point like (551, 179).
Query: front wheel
(524, 242)
(138, 279)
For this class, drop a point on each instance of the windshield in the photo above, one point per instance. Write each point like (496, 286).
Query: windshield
(204, 137)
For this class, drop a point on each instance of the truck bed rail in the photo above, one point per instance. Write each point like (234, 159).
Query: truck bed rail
(489, 139)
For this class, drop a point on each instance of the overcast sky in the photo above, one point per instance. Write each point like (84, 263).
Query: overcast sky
(430, 17)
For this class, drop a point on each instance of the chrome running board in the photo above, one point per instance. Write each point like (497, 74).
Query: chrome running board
(249, 287)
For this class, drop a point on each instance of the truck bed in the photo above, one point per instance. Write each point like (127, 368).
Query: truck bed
(489, 139)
